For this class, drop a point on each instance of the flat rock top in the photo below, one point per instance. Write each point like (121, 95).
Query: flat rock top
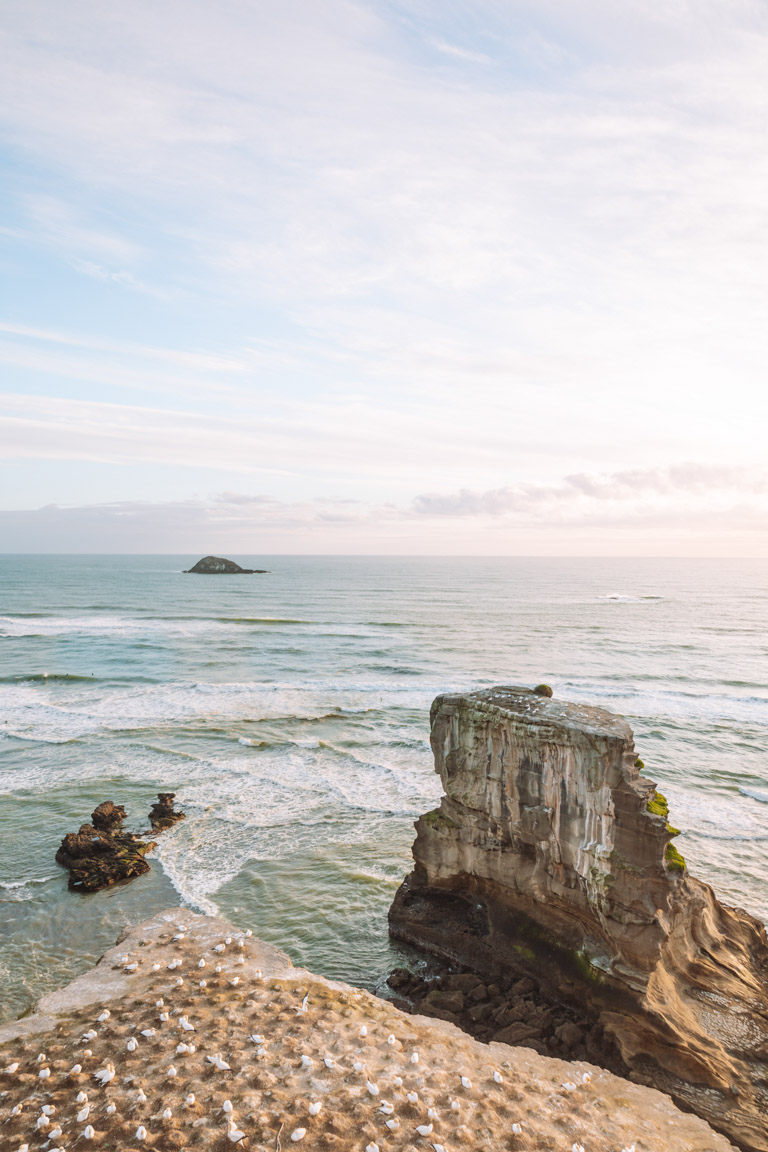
(298, 1058)
(524, 705)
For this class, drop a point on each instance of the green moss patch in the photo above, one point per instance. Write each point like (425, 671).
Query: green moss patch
(673, 859)
(438, 819)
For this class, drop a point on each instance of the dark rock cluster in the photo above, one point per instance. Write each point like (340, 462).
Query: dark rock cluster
(163, 815)
(103, 853)
(510, 1011)
(218, 566)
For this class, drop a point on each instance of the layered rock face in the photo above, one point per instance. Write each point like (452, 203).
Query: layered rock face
(550, 855)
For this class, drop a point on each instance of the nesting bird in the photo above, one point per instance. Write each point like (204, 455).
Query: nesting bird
(314, 1108)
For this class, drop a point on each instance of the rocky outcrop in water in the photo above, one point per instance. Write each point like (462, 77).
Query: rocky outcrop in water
(550, 857)
(218, 566)
(162, 814)
(102, 853)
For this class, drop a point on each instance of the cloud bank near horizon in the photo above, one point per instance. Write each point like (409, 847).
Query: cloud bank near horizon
(462, 262)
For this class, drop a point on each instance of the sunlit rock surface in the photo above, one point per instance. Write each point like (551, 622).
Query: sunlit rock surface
(550, 854)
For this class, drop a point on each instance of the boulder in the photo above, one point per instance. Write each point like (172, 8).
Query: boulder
(550, 858)
(97, 858)
(162, 814)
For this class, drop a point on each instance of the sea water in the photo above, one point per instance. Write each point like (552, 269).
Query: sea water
(290, 713)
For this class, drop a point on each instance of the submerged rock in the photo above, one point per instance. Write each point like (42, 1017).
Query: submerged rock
(217, 566)
(550, 858)
(101, 853)
(162, 814)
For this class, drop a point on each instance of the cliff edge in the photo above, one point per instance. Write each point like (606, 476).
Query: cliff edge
(550, 854)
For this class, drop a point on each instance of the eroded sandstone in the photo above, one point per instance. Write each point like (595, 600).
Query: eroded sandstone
(550, 856)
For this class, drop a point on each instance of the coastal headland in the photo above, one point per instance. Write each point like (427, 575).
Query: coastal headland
(551, 857)
(192, 1034)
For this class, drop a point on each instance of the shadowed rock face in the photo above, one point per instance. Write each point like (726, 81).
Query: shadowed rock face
(218, 566)
(545, 858)
(162, 814)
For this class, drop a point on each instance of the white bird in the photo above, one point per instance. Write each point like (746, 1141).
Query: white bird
(124, 959)
(159, 1003)
(569, 1086)
(75, 1069)
(217, 969)
(439, 1148)
(218, 1062)
(432, 1114)
(141, 1133)
(43, 1121)
(48, 1109)
(182, 1049)
(41, 1058)
(261, 1051)
(83, 1114)
(363, 1030)
(104, 1016)
(455, 1106)
(9, 1071)
(44, 1073)
(372, 1088)
(577, 1148)
(585, 1079)
(314, 1108)
(201, 963)
(171, 1072)
(185, 1024)
(156, 967)
(257, 974)
(179, 981)
(517, 1129)
(393, 1124)
(54, 1133)
(173, 965)
(228, 940)
(329, 1062)
(397, 1081)
(218, 948)
(412, 1097)
(241, 943)
(91, 1034)
(16, 1110)
(240, 960)
(631, 1148)
(148, 1031)
(371, 1147)
(387, 1108)
(87, 1052)
(111, 1109)
(191, 1048)
(298, 1134)
(357, 1066)
(302, 1010)
(256, 1038)
(163, 1016)
(132, 1044)
(227, 1107)
(414, 1057)
(89, 1132)
(234, 1134)
(189, 1100)
(203, 983)
(424, 1129)
(498, 1078)
(129, 968)
(235, 981)
(179, 936)
(141, 1096)
(248, 932)
(391, 1039)
(24, 1148)
(466, 1082)
(167, 1114)
(307, 1061)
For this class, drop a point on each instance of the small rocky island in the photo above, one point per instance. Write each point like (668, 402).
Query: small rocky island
(102, 853)
(218, 566)
(548, 871)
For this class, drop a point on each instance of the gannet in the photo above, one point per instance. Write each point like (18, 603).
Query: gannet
(397, 1081)
(9, 1071)
(43, 1121)
(182, 1049)
(517, 1129)
(132, 1044)
(392, 1124)
(240, 960)
(235, 981)
(302, 1010)
(167, 1114)
(81, 1098)
(179, 981)
(248, 932)
(189, 1100)
(91, 1034)
(298, 1134)
(48, 1109)
(104, 1016)
(577, 1148)
(111, 1109)
(54, 1133)
(455, 1106)
(228, 940)
(307, 1061)
(569, 1086)
(414, 1057)
(141, 1133)
(372, 1088)
(83, 1114)
(227, 1107)
(498, 1078)
(371, 1147)
(329, 1062)
(233, 1133)
(314, 1108)
(201, 963)
(257, 1039)
(466, 1082)
(185, 1024)
(141, 1096)
(391, 1039)
(130, 968)
(424, 1129)
(387, 1108)
(163, 1016)
(585, 1078)
(171, 1072)
(89, 1132)
(218, 1063)
(241, 943)
(218, 948)
(363, 1030)
(75, 1069)
(148, 1031)
(432, 1114)
(412, 1097)
(203, 984)
(159, 1003)
(44, 1073)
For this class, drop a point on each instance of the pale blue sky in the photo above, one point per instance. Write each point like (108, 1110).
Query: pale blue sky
(432, 276)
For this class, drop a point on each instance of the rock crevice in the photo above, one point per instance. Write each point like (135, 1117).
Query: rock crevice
(550, 855)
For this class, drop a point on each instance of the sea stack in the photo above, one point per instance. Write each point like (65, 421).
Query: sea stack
(550, 855)
(218, 566)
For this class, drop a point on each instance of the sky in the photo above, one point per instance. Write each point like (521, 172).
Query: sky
(384, 277)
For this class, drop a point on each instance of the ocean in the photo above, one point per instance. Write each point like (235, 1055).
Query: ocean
(290, 714)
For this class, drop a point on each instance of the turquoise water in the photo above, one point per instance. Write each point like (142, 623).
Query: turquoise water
(290, 714)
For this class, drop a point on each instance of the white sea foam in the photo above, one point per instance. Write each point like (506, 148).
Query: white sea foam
(755, 794)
